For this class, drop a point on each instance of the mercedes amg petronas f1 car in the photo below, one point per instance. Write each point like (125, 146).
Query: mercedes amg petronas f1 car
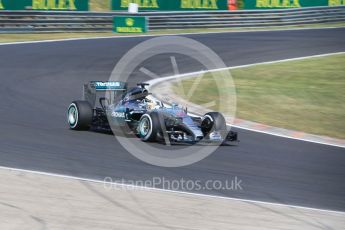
(136, 111)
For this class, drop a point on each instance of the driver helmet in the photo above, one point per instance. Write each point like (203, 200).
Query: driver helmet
(152, 103)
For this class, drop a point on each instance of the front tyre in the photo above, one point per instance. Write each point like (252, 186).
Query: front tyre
(79, 115)
(213, 122)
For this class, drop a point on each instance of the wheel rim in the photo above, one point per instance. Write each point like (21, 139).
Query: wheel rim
(207, 123)
(144, 127)
(72, 116)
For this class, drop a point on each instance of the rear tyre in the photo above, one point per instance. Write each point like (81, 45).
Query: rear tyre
(213, 121)
(149, 127)
(79, 115)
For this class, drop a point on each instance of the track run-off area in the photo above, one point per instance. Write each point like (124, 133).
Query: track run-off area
(39, 80)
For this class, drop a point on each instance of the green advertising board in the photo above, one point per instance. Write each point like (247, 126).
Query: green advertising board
(14, 4)
(282, 4)
(75, 5)
(130, 24)
(172, 5)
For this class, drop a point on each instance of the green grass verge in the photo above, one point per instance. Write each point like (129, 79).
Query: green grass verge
(306, 95)
(48, 36)
(11, 37)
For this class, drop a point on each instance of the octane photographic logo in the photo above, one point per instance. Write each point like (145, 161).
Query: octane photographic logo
(173, 46)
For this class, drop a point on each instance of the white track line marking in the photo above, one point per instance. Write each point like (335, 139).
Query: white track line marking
(195, 74)
(167, 34)
(165, 190)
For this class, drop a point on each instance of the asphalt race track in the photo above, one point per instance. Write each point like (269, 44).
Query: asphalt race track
(38, 81)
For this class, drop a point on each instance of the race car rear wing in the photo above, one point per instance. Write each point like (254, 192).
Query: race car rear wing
(115, 88)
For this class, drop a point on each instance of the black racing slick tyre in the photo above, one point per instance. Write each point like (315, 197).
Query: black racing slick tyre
(79, 115)
(213, 121)
(149, 127)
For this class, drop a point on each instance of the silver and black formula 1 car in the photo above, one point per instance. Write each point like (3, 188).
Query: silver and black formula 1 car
(135, 110)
